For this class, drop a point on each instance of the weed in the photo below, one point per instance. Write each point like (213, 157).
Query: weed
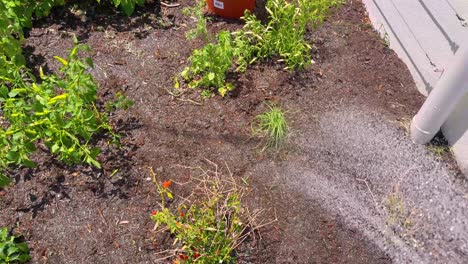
(397, 213)
(271, 124)
(405, 124)
(403, 221)
(210, 224)
(12, 251)
(120, 102)
(439, 150)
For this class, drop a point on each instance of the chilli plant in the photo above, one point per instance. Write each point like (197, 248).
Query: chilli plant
(58, 110)
(207, 227)
(11, 250)
(282, 37)
(210, 65)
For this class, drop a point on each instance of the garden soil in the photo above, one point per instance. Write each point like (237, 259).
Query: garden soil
(347, 186)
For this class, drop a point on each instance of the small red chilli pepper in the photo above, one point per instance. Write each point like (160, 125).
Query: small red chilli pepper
(154, 213)
(167, 184)
(182, 214)
(196, 255)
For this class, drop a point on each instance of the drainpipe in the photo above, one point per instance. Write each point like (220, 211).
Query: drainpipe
(442, 100)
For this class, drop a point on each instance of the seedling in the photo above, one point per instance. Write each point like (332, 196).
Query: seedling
(271, 124)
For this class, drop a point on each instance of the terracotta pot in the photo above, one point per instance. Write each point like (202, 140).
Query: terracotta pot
(230, 8)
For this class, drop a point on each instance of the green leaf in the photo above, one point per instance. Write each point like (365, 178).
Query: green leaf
(211, 76)
(15, 92)
(12, 155)
(29, 163)
(23, 247)
(54, 149)
(176, 83)
(12, 250)
(4, 181)
(75, 39)
(90, 62)
(3, 234)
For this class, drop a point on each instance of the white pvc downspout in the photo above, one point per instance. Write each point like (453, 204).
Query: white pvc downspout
(442, 100)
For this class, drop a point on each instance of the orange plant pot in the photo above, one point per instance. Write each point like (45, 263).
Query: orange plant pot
(230, 8)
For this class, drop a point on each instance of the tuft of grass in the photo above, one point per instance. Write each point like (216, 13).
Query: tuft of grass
(271, 124)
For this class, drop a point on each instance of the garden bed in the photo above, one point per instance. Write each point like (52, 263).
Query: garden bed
(79, 214)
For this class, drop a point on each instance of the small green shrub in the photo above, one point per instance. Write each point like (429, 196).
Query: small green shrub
(59, 111)
(210, 65)
(271, 124)
(12, 251)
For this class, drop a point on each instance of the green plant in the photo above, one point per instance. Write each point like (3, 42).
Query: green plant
(208, 227)
(12, 251)
(284, 34)
(271, 124)
(120, 102)
(283, 37)
(58, 111)
(210, 65)
(196, 12)
(22, 11)
(127, 6)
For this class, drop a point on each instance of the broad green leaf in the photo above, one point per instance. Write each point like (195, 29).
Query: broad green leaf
(4, 181)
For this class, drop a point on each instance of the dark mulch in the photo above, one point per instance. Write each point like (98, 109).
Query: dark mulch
(83, 215)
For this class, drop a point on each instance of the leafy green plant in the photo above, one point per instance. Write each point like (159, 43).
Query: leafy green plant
(22, 11)
(282, 37)
(120, 102)
(58, 111)
(208, 227)
(210, 65)
(196, 12)
(284, 34)
(12, 251)
(271, 124)
(127, 6)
